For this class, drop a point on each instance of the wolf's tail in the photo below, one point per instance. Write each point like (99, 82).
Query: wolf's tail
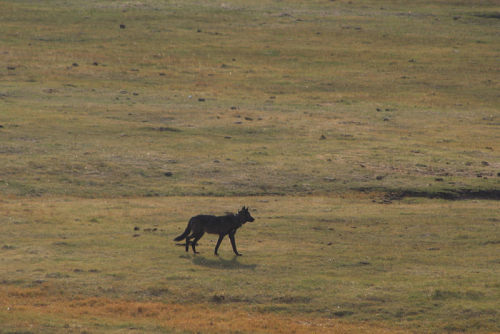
(185, 234)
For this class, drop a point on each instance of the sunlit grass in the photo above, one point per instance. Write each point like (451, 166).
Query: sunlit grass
(413, 264)
(327, 118)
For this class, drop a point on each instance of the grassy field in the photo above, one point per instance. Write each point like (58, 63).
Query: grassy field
(364, 136)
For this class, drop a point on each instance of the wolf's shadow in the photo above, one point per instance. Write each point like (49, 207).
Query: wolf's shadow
(220, 263)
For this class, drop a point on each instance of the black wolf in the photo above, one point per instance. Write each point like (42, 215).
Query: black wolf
(220, 225)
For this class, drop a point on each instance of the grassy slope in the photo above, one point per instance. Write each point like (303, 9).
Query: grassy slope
(406, 94)
(406, 97)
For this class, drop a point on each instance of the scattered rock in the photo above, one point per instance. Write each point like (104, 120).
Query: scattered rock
(329, 179)
(166, 128)
(136, 235)
(218, 298)
(56, 275)
(433, 249)
(341, 314)
(412, 61)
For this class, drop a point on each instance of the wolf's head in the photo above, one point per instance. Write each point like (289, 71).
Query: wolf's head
(245, 215)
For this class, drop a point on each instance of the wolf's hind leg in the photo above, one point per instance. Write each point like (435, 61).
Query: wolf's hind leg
(195, 241)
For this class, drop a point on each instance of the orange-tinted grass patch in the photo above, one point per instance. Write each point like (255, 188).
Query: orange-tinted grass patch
(206, 318)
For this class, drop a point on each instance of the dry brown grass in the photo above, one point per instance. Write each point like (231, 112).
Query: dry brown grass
(28, 304)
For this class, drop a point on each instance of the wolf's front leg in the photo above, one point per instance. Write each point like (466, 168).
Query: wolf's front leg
(233, 243)
(221, 236)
